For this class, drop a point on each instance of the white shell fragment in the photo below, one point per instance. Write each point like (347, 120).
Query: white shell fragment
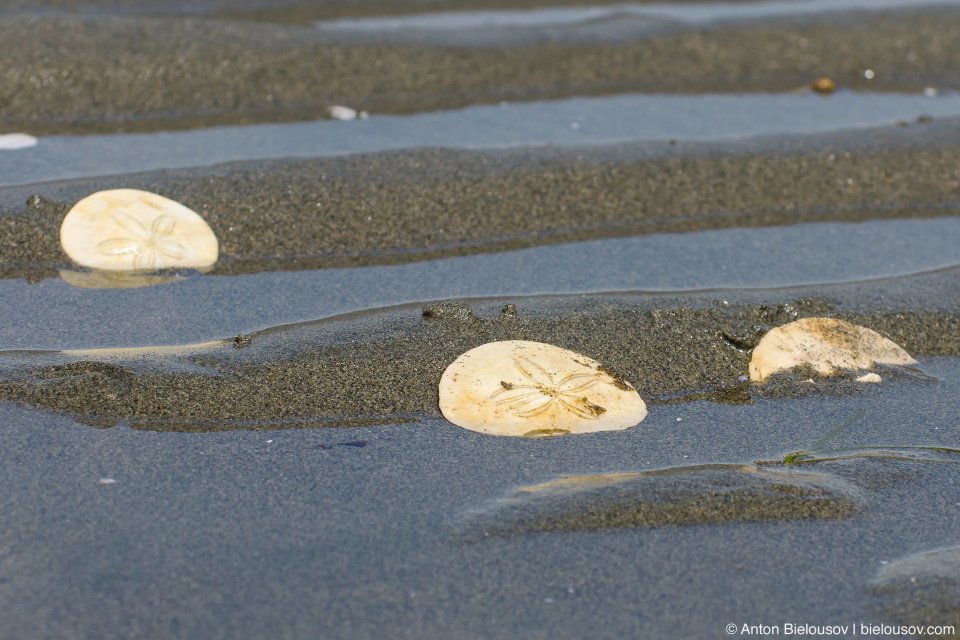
(131, 230)
(339, 112)
(521, 388)
(14, 141)
(826, 344)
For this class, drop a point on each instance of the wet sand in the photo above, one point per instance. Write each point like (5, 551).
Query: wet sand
(397, 207)
(699, 494)
(385, 366)
(345, 533)
(921, 588)
(299, 481)
(140, 74)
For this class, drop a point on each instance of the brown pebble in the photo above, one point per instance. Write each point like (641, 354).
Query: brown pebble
(823, 85)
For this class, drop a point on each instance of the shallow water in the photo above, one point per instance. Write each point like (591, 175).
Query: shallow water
(199, 308)
(573, 122)
(615, 21)
(118, 532)
(692, 13)
(347, 541)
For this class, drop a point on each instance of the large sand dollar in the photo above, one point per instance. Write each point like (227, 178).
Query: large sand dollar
(826, 344)
(521, 388)
(131, 230)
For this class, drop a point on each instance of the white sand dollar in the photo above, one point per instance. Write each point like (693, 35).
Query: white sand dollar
(826, 344)
(521, 388)
(131, 230)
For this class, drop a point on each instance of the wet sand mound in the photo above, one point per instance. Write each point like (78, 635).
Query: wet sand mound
(922, 589)
(702, 494)
(388, 364)
(400, 207)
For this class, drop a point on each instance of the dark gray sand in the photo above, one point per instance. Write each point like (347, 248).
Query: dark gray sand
(385, 366)
(68, 75)
(345, 534)
(404, 206)
(198, 494)
(699, 494)
(922, 589)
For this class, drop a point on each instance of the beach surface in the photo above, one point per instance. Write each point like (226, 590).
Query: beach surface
(257, 448)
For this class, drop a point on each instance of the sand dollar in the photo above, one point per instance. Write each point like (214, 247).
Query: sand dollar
(131, 230)
(826, 344)
(521, 388)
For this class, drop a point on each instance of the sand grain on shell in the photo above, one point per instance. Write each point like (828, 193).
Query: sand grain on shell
(827, 345)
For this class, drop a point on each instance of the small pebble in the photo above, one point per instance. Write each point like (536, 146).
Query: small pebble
(824, 85)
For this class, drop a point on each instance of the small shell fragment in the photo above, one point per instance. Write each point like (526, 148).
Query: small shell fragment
(339, 112)
(531, 389)
(826, 344)
(131, 230)
(14, 141)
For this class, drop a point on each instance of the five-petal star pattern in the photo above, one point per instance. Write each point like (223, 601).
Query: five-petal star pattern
(527, 400)
(145, 245)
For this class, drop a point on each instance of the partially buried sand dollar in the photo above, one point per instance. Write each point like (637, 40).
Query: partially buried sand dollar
(131, 230)
(521, 388)
(826, 344)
